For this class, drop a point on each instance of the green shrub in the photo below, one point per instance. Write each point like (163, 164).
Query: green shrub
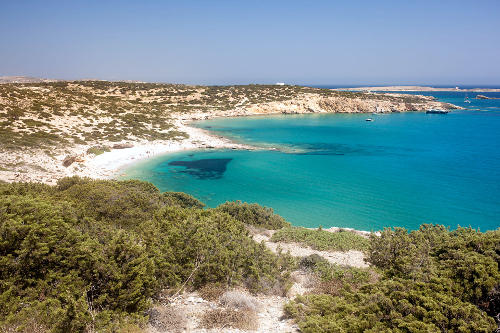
(389, 306)
(214, 247)
(98, 150)
(57, 273)
(432, 280)
(254, 214)
(311, 262)
(91, 254)
(182, 200)
(322, 240)
(467, 258)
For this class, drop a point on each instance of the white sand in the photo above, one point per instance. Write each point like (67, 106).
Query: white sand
(109, 164)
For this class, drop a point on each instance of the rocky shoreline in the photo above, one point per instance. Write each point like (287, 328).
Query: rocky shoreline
(312, 103)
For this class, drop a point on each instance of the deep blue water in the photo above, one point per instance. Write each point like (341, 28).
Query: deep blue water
(402, 169)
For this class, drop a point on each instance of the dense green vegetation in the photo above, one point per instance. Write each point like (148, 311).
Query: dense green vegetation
(431, 280)
(253, 214)
(95, 255)
(322, 240)
(91, 255)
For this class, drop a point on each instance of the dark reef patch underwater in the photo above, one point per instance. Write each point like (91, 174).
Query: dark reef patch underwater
(207, 168)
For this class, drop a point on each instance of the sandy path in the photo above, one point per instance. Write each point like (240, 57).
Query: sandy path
(349, 258)
(270, 311)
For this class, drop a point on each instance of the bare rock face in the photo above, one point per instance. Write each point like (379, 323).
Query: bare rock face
(313, 103)
(485, 97)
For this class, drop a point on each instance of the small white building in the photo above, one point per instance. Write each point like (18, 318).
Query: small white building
(280, 83)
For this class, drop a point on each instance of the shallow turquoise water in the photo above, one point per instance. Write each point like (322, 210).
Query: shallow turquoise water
(339, 170)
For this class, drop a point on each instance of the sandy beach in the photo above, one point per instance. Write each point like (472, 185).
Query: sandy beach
(109, 164)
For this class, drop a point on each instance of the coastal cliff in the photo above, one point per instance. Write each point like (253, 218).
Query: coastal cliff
(367, 103)
(49, 130)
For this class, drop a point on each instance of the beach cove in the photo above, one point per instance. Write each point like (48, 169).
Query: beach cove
(402, 169)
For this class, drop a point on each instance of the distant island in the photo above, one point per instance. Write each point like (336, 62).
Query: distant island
(23, 79)
(485, 97)
(419, 88)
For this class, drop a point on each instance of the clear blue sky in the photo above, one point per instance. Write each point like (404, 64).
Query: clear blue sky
(221, 42)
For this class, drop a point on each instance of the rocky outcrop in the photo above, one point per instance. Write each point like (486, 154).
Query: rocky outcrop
(315, 103)
(485, 97)
(68, 160)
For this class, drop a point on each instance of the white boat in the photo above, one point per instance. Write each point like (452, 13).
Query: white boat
(368, 119)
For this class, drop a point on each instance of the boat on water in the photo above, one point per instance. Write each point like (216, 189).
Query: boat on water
(368, 119)
(433, 111)
(466, 100)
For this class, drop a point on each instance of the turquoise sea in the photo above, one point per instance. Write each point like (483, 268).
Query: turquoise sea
(402, 169)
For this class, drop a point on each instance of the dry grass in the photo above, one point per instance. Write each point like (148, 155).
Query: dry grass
(332, 287)
(307, 279)
(270, 287)
(254, 230)
(224, 318)
(32, 326)
(211, 292)
(131, 328)
(167, 318)
(239, 301)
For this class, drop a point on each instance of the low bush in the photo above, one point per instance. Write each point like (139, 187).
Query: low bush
(431, 279)
(224, 318)
(212, 291)
(167, 319)
(91, 254)
(332, 279)
(182, 200)
(311, 262)
(322, 240)
(214, 248)
(254, 214)
(98, 150)
(238, 300)
(392, 305)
